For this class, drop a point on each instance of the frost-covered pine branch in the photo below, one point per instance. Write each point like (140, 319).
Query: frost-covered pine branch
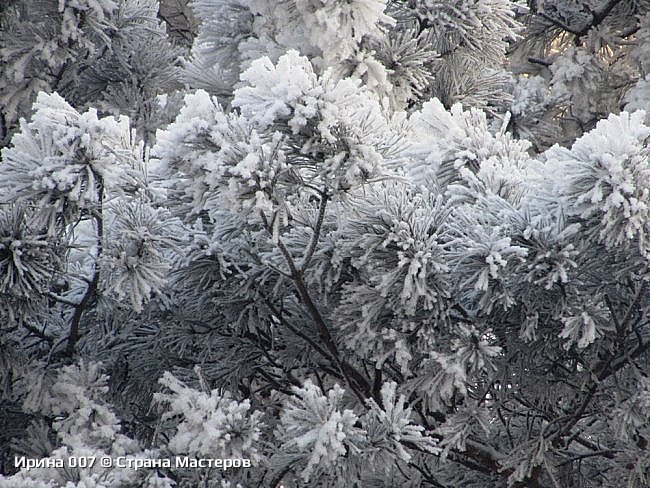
(361, 253)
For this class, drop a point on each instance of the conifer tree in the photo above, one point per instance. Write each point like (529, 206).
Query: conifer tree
(378, 244)
(113, 55)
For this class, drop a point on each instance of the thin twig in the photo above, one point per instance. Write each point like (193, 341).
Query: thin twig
(91, 290)
(353, 378)
(608, 453)
(317, 231)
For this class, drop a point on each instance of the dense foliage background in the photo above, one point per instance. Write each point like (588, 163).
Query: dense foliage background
(361, 243)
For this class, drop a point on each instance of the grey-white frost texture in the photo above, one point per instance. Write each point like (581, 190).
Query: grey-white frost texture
(308, 243)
